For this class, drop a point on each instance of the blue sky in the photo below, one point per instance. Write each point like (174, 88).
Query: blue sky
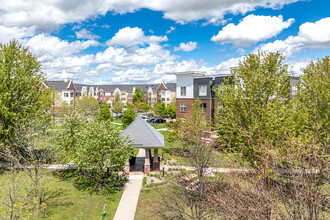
(139, 41)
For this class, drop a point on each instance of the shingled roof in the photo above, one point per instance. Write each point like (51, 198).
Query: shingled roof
(58, 85)
(143, 135)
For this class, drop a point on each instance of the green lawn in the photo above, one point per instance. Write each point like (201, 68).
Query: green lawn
(145, 209)
(158, 126)
(77, 204)
(71, 203)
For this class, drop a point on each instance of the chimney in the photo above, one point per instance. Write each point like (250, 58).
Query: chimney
(164, 81)
(66, 79)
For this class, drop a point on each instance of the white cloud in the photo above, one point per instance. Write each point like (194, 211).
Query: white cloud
(128, 37)
(85, 34)
(252, 29)
(310, 35)
(121, 58)
(241, 51)
(170, 30)
(186, 46)
(8, 33)
(49, 15)
(49, 47)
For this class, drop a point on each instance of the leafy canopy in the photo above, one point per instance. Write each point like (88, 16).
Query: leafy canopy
(117, 103)
(252, 104)
(105, 113)
(138, 95)
(128, 117)
(88, 106)
(23, 99)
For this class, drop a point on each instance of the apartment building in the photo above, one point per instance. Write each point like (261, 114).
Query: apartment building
(64, 89)
(197, 85)
(153, 93)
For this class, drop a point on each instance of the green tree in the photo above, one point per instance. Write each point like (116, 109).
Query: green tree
(171, 110)
(97, 149)
(130, 106)
(251, 105)
(22, 99)
(128, 117)
(159, 109)
(145, 107)
(105, 113)
(88, 106)
(312, 100)
(138, 95)
(117, 104)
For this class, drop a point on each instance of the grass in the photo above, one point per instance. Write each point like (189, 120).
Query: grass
(71, 203)
(117, 121)
(158, 126)
(77, 204)
(145, 211)
(174, 150)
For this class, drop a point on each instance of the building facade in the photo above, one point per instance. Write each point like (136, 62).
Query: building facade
(68, 91)
(197, 85)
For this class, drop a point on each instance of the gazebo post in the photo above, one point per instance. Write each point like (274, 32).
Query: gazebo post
(155, 164)
(147, 162)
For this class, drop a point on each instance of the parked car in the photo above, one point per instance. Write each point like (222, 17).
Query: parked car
(151, 120)
(119, 116)
(159, 121)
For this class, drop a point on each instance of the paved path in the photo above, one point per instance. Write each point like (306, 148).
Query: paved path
(129, 200)
(162, 129)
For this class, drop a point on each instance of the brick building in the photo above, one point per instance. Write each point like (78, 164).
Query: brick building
(197, 85)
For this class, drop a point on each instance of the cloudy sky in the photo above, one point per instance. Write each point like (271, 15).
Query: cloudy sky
(146, 41)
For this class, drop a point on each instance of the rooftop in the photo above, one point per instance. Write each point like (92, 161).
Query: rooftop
(143, 134)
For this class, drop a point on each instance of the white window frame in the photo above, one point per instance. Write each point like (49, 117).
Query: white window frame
(66, 94)
(183, 107)
(183, 91)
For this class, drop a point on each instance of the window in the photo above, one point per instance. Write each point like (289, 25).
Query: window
(183, 91)
(130, 98)
(71, 94)
(101, 99)
(202, 90)
(163, 93)
(123, 99)
(163, 99)
(294, 90)
(204, 107)
(66, 94)
(168, 99)
(183, 106)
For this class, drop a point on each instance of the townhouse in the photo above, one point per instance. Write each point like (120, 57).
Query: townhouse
(68, 91)
(197, 85)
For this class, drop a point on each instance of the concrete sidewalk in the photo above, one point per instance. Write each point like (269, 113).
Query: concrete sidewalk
(129, 199)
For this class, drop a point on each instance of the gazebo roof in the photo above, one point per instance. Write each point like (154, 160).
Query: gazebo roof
(143, 135)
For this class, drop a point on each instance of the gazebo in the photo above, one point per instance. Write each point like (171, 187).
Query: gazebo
(147, 137)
